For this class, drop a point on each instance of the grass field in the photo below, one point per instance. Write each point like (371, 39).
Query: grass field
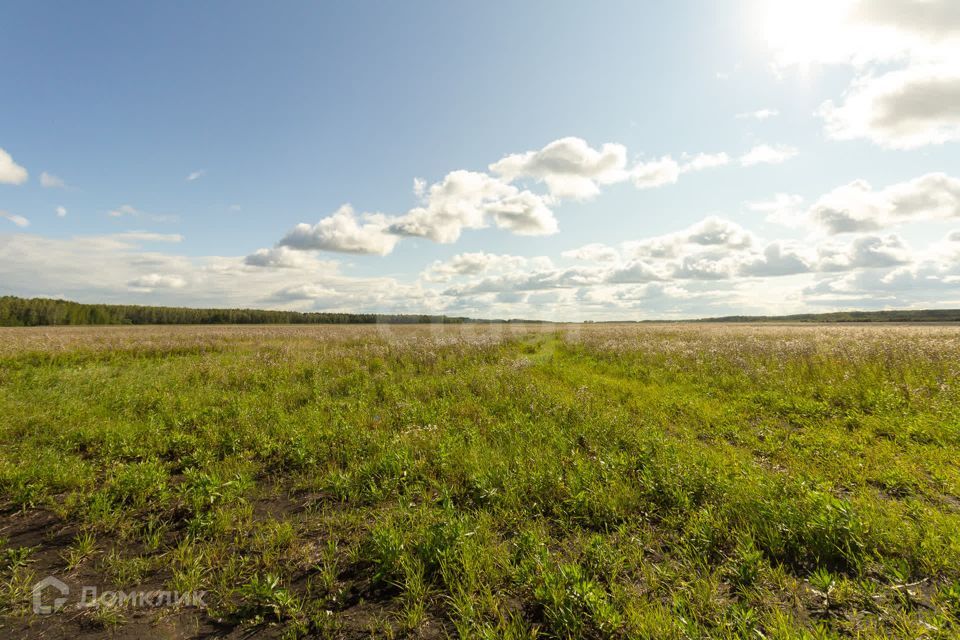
(635, 481)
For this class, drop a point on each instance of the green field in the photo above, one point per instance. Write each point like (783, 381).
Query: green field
(494, 481)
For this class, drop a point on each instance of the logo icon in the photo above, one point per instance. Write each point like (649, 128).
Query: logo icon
(45, 609)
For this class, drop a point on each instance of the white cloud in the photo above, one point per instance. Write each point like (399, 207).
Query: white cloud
(648, 174)
(342, 232)
(703, 161)
(902, 109)
(282, 257)
(710, 234)
(477, 263)
(655, 173)
(864, 252)
(705, 266)
(759, 114)
(572, 169)
(634, 271)
(857, 206)
(153, 281)
(50, 181)
(713, 267)
(465, 199)
(593, 252)
(767, 154)
(20, 221)
(10, 171)
(569, 167)
(527, 280)
(196, 175)
(783, 208)
(312, 292)
(61, 212)
(778, 259)
(525, 214)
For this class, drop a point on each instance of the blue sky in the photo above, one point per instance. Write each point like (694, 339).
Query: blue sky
(713, 157)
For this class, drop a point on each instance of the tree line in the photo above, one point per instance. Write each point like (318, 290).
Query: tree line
(31, 312)
(895, 315)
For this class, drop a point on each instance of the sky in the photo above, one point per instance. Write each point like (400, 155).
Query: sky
(548, 160)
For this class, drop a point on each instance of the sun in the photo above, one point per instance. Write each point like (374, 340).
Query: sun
(801, 33)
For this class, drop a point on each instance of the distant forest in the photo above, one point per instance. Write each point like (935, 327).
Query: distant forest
(31, 312)
(907, 315)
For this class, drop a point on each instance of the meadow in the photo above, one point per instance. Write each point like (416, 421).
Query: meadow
(485, 481)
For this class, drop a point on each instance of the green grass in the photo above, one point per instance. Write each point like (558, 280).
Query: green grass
(500, 482)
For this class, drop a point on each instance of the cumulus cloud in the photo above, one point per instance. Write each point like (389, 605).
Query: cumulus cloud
(10, 171)
(858, 207)
(902, 109)
(343, 232)
(477, 263)
(50, 181)
(469, 264)
(866, 252)
(524, 213)
(712, 267)
(711, 249)
(655, 173)
(20, 221)
(570, 167)
(712, 233)
(465, 200)
(767, 154)
(537, 280)
(633, 271)
(281, 257)
(927, 280)
(704, 267)
(778, 259)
